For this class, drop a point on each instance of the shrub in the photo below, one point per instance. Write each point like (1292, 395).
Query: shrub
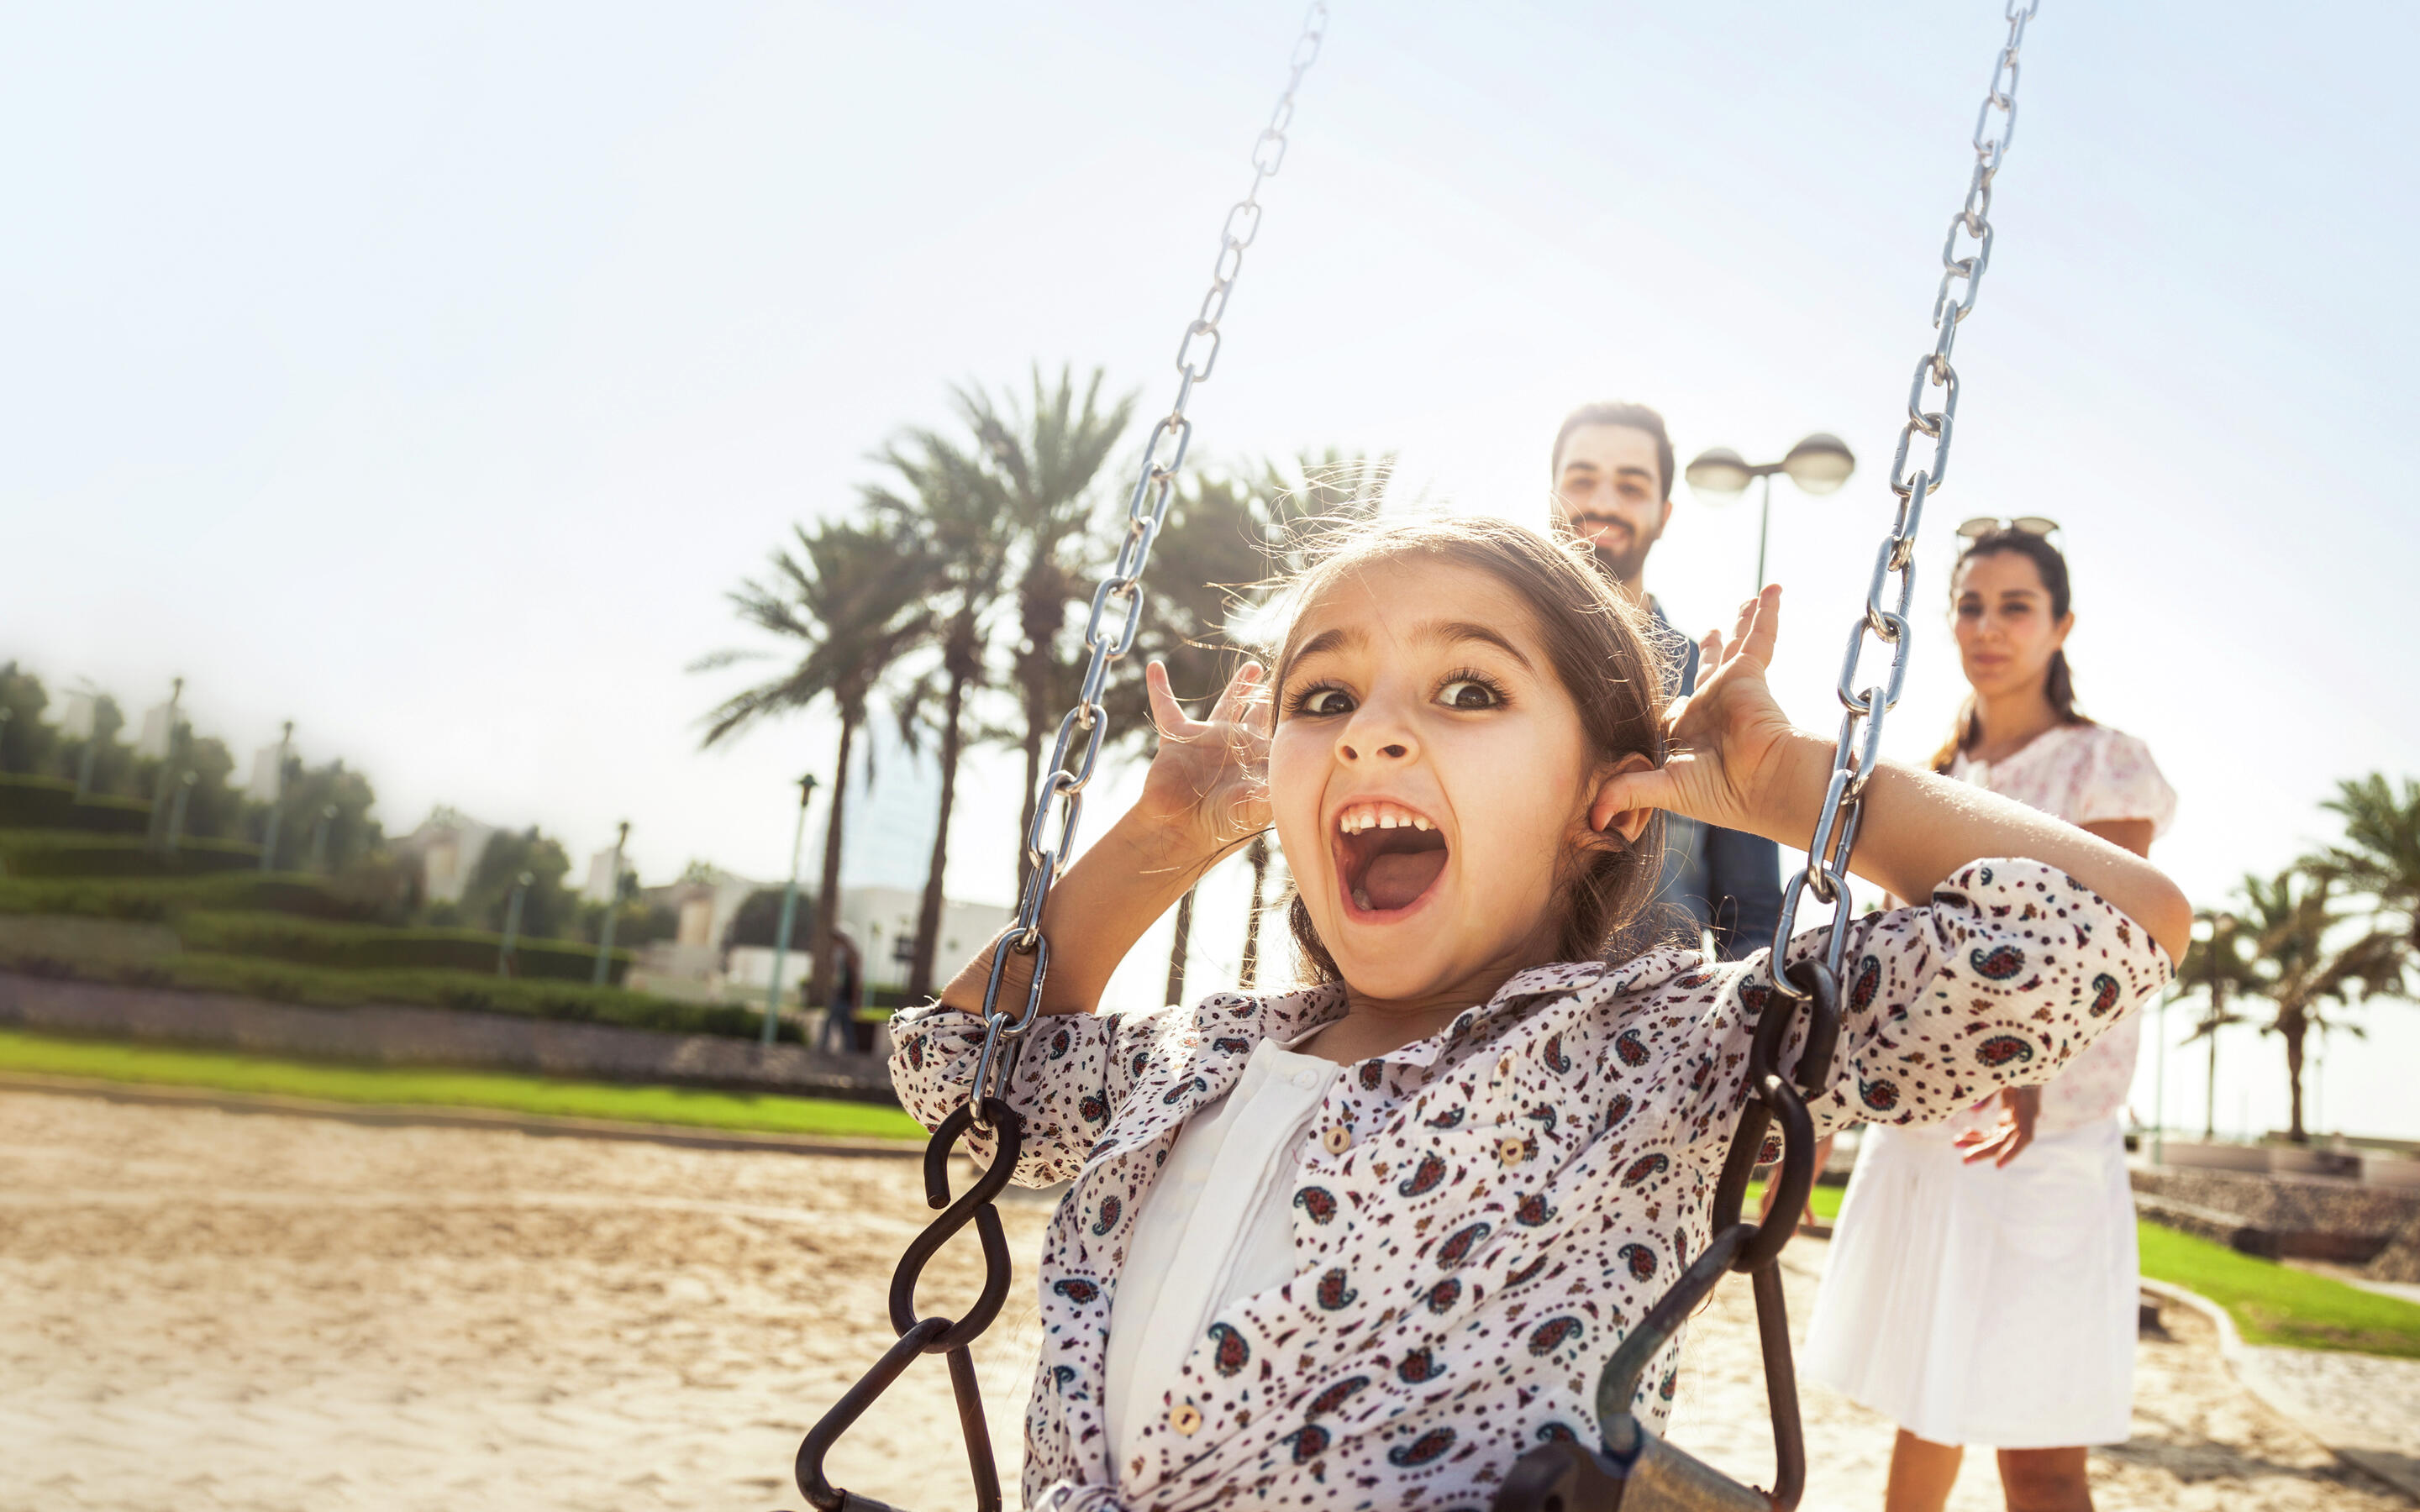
(48, 803)
(279, 936)
(68, 853)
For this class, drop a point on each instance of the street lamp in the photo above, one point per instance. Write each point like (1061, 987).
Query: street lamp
(1819, 465)
(612, 906)
(320, 837)
(176, 809)
(276, 801)
(789, 909)
(505, 962)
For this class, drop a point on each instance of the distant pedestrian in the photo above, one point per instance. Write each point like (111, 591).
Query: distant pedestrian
(839, 1015)
(1983, 1286)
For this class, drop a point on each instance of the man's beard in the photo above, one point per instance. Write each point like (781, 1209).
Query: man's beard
(1624, 561)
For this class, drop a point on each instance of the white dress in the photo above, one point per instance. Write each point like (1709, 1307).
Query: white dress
(1975, 1305)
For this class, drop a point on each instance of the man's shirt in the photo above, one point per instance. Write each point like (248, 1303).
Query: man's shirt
(1724, 879)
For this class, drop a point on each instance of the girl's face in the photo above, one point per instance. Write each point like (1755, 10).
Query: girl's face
(1428, 773)
(2006, 632)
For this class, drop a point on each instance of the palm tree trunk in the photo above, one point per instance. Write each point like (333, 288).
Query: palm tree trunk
(1258, 855)
(2294, 1037)
(2209, 1108)
(929, 918)
(1176, 951)
(820, 979)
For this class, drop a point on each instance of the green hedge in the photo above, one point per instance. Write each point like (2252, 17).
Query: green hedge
(155, 899)
(48, 803)
(321, 987)
(68, 853)
(280, 936)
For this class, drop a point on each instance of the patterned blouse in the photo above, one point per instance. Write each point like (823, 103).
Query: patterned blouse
(2085, 774)
(1482, 1215)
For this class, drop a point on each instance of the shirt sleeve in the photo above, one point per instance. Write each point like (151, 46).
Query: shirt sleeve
(1072, 1070)
(2008, 970)
(2123, 782)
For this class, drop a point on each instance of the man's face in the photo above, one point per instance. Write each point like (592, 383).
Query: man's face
(1608, 494)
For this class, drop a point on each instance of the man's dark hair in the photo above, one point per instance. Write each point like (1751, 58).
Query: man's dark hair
(1618, 413)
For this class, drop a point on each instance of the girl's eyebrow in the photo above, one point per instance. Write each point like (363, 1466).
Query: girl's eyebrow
(1453, 632)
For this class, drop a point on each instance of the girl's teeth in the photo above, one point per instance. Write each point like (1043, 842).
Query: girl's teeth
(1420, 824)
(1361, 898)
(1386, 820)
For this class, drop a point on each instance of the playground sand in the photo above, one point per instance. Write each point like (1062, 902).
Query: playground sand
(214, 1309)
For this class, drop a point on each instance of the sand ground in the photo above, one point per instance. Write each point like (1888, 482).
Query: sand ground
(211, 1309)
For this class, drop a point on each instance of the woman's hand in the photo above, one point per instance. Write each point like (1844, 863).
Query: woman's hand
(1726, 746)
(1207, 789)
(2019, 1107)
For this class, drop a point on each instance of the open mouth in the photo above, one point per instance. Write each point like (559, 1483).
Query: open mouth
(1387, 857)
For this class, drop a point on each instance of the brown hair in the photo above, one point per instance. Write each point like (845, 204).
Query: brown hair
(2058, 682)
(1597, 639)
(1618, 413)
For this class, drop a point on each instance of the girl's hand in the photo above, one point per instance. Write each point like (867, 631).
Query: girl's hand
(1726, 745)
(1207, 789)
(2020, 1106)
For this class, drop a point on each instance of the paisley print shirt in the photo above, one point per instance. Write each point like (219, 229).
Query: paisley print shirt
(1482, 1215)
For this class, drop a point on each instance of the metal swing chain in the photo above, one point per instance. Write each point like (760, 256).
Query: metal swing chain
(986, 1109)
(1639, 1471)
(1061, 793)
(1859, 747)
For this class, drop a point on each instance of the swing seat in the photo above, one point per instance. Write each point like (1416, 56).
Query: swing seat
(1657, 1477)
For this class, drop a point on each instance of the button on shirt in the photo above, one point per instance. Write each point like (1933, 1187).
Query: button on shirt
(1214, 1228)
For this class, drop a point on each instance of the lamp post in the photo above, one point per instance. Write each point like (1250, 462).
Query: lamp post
(176, 809)
(168, 759)
(790, 910)
(276, 801)
(505, 962)
(1819, 465)
(320, 837)
(612, 906)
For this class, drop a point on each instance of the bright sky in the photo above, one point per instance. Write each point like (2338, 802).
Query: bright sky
(425, 374)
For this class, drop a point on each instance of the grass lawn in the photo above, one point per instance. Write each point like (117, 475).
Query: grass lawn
(2271, 1303)
(117, 1062)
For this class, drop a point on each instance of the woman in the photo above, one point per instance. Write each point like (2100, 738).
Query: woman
(1982, 1286)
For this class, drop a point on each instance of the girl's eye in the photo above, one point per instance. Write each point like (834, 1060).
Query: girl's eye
(1468, 693)
(1324, 700)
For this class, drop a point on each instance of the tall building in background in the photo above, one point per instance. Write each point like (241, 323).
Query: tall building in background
(893, 799)
(152, 744)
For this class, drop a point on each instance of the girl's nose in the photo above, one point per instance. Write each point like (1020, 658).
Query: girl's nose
(1377, 733)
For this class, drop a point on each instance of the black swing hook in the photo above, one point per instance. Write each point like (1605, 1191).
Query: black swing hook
(933, 1336)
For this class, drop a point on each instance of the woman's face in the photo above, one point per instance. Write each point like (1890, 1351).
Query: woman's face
(1427, 772)
(2006, 632)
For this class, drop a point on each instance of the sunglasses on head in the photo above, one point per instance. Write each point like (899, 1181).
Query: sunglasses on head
(1983, 525)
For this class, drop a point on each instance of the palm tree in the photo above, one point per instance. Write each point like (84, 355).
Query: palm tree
(957, 511)
(2215, 968)
(2299, 968)
(1046, 454)
(850, 593)
(1223, 535)
(2381, 853)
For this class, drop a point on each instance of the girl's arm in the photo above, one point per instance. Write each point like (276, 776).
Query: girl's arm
(1200, 799)
(1739, 762)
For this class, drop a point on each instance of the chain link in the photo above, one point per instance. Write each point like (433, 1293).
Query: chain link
(1932, 416)
(1107, 639)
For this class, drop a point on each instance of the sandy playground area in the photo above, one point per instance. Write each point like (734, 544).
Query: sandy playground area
(216, 1309)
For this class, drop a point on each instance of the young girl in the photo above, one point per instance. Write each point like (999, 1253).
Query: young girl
(1363, 1245)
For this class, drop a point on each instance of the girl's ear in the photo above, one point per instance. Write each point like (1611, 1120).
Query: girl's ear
(1629, 824)
(2058, 629)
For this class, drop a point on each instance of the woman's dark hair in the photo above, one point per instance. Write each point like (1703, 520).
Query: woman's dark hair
(1598, 643)
(2058, 682)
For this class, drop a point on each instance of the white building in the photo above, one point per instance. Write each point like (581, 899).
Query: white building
(882, 922)
(447, 847)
